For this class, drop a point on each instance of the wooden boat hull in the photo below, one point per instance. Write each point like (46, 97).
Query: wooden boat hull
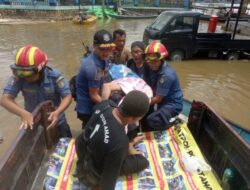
(132, 16)
(20, 164)
(225, 149)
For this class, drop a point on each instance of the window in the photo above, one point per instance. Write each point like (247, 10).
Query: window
(161, 21)
(181, 24)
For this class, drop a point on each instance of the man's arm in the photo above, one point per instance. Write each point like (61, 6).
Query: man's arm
(94, 95)
(108, 88)
(9, 103)
(163, 89)
(156, 99)
(65, 102)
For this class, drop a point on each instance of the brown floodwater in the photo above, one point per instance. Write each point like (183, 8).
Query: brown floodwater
(222, 84)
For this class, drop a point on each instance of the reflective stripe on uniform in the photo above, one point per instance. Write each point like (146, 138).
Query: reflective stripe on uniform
(60, 82)
(59, 79)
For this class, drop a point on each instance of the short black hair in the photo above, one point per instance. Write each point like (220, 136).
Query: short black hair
(135, 104)
(119, 32)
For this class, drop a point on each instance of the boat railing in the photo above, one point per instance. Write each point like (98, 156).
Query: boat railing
(20, 163)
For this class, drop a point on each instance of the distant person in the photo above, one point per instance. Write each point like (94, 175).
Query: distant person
(90, 77)
(85, 16)
(167, 101)
(115, 7)
(81, 17)
(121, 54)
(38, 83)
(103, 148)
(137, 64)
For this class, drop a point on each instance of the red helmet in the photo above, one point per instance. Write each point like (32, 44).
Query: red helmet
(156, 51)
(29, 60)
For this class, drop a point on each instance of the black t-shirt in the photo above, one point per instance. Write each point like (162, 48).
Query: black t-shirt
(108, 143)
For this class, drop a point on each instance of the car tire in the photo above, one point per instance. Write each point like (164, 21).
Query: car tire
(177, 55)
(233, 56)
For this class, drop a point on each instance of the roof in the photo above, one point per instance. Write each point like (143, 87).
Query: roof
(176, 12)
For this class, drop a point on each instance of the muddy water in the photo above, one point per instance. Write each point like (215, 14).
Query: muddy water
(224, 85)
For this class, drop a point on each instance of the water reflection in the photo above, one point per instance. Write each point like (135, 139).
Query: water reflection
(224, 85)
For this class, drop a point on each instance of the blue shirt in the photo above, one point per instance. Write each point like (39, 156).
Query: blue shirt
(165, 83)
(91, 75)
(52, 87)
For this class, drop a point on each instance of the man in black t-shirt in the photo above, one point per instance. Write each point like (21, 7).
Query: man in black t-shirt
(103, 148)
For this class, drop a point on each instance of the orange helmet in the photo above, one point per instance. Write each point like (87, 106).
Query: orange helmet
(156, 51)
(29, 60)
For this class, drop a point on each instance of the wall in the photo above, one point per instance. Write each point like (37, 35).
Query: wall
(39, 14)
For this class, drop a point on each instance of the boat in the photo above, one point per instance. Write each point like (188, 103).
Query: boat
(100, 12)
(125, 14)
(116, 16)
(20, 164)
(224, 144)
(89, 19)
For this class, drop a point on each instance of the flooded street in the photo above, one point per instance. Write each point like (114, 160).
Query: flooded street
(222, 84)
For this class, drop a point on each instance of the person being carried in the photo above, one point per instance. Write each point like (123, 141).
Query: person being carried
(167, 101)
(125, 85)
(90, 77)
(103, 148)
(38, 83)
(118, 88)
(121, 54)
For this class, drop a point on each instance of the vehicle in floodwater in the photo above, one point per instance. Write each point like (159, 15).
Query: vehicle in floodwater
(178, 31)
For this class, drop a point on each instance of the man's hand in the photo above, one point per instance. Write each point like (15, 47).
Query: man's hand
(137, 140)
(53, 117)
(27, 120)
(156, 99)
(8, 102)
(132, 150)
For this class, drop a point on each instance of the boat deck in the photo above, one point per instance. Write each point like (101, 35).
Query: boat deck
(171, 154)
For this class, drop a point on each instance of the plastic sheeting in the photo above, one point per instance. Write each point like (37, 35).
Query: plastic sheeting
(164, 150)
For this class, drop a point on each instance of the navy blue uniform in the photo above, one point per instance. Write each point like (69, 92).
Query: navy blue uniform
(164, 83)
(91, 75)
(52, 87)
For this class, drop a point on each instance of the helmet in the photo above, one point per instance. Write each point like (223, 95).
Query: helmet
(156, 51)
(29, 61)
